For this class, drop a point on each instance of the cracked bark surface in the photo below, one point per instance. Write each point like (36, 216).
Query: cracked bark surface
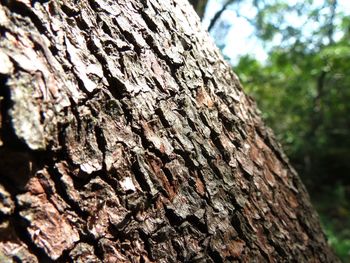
(125, 137)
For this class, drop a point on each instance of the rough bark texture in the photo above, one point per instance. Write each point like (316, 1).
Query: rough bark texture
(125, 137)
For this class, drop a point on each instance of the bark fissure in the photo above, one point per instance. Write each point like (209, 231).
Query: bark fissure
(140, 144)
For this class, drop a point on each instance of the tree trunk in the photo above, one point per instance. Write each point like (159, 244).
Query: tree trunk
(125, 137)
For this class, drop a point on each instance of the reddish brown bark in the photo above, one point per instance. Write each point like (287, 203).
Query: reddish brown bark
(125, 137)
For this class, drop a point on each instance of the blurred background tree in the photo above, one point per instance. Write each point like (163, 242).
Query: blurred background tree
(298, 71)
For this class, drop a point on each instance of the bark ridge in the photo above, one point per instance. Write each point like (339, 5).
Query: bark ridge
(125, 137)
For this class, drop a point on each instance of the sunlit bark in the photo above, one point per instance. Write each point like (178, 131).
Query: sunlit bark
(126, 138)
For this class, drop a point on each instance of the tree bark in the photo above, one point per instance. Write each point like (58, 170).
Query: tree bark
(125, 137)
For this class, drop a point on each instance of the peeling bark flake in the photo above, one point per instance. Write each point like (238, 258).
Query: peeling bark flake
(125, 137)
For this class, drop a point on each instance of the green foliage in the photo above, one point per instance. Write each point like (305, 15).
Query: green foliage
(303, 90)
(335, 211)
